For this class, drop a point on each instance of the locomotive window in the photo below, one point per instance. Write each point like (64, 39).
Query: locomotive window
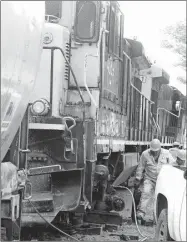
(53, 8)
(115, 31)
(121, 35)
(112, 30)
(85, 20)
(107, 24)
(117, 35)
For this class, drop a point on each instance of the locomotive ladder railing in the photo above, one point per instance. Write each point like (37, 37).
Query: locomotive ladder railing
(143, 100)
(167, 111)
(142, 123)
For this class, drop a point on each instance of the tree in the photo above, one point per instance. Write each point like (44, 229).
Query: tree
(176, 42)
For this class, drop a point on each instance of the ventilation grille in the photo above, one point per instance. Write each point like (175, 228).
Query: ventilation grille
(67, 52)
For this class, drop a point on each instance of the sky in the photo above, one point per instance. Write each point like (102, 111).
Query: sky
(146, 21)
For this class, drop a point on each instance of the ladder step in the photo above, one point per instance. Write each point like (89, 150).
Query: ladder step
(43, 202)
(43, 170)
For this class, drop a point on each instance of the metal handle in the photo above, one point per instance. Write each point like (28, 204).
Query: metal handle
(72, 119)
(85, 81)
(28, 184)
(24, 151)
(159, 108)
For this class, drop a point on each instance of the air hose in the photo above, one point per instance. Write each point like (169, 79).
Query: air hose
(135, 218)
(67, 235)
(62, 232)
(59, 230)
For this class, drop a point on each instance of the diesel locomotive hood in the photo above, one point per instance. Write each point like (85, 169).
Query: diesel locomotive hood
(138, 54)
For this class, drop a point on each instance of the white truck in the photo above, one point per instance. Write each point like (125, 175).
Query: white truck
(170, 204)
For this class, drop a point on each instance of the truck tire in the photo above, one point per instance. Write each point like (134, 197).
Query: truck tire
(162, 232)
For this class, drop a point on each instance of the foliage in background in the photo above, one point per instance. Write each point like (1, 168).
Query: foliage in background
(176, 42)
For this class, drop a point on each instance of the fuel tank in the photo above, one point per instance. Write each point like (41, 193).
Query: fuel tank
(21, 48)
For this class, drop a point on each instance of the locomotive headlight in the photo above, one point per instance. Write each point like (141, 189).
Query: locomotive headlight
(40, 107)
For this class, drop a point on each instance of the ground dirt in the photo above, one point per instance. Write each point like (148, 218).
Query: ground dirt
(125, 229)
(104, 236)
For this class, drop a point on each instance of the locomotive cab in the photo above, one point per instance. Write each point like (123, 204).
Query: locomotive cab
(53, 157)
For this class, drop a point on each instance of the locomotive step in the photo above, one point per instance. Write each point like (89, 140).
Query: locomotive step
(44, 170)
(43, 202)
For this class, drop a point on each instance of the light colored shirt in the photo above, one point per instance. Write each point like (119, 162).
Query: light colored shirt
(147, 163)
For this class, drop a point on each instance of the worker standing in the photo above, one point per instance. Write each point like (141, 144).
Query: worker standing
(150, 164)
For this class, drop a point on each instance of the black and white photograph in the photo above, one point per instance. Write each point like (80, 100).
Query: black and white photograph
(93, 121)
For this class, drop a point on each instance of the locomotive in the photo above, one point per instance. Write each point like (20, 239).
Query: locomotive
(97, 103)
(94, 108)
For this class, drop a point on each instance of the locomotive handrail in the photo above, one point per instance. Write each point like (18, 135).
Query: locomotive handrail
(177, 116)
(72, 119)
(72, 72)
(151, 102)
(153, 119)
(85, 82)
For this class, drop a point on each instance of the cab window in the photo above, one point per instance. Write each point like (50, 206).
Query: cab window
(115, 30)
(87, 21)
(53, 8)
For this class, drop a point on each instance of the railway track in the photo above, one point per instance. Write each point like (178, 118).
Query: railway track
(121, 234)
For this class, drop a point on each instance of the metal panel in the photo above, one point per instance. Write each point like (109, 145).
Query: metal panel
(21, 50)
(78, 55)
(112, 78)
(78, 132)
(43, 170)
(65, 196)
(67, 191)
(111, 124)
(43, 83)
(43, 126)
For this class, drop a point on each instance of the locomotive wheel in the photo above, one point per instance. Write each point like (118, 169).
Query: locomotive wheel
(118, 204)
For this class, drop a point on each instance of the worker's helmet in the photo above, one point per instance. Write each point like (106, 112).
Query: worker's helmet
(181, 154)
(176, 144)
(155, 145)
